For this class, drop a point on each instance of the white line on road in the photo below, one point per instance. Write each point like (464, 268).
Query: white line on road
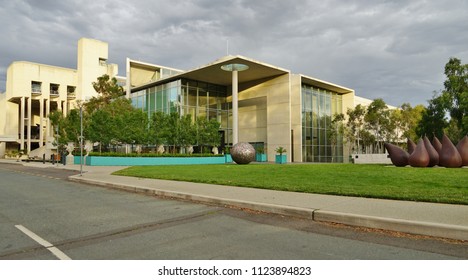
(54, 250)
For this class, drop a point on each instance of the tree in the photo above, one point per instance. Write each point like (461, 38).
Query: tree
(187, 131)
(335, 132)
(355, 125)
(377, 119)
(101, 128)
(411, 117)
(156, 128)
(433, 119)
(171, 131)
(107, 89)
(453, 101)
(456, 94)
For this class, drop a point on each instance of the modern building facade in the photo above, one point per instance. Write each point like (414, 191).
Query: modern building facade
(35, 90)
(265, 105)
(275, 108)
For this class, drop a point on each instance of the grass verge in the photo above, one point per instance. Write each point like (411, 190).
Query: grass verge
(441, 185)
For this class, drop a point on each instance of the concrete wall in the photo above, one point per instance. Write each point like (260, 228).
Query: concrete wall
(296, 116)
(371, 159)
(252, 116)
(92, 63)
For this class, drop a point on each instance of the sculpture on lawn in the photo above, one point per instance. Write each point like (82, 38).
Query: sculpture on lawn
(243, 153)
(427, 154)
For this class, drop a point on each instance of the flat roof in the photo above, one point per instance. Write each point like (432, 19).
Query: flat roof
(212, 73)
(325, 85)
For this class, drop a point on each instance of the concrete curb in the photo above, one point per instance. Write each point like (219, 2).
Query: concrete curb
(407, 226)
(413, 227)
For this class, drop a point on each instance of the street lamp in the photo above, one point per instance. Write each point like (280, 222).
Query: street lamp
(235, 68)
(81, 137)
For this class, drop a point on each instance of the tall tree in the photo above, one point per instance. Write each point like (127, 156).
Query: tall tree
(108, 89)
(377, 119)
(411, 117)
(433, 119)
(355, 125)
(456, 93)
(335, 133)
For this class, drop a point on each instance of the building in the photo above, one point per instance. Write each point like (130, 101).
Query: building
(34, 90)
(274, 106)
(255, 102)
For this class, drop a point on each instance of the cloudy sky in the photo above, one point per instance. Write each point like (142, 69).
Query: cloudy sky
(395, 50)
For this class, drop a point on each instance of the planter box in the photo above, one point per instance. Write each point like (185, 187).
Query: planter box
(132, 161)
(280, 159)
(260, 157)
(227, 158)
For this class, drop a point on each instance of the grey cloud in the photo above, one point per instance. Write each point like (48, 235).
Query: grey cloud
(390, 49)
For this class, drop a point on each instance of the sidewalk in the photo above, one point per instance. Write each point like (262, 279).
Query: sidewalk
(433, 219)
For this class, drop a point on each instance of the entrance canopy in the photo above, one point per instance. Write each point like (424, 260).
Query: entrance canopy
(212, 73)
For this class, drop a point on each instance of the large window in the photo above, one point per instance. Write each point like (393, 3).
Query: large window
(187, 97)
(319, 142)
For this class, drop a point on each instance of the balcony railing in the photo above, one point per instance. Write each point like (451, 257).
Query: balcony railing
(71, 95)
(36, 91)
(54, 92)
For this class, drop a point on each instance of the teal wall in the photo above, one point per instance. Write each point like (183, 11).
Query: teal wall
(131, 161)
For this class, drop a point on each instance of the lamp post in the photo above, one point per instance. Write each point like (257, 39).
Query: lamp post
(235, 68)
(81, 139)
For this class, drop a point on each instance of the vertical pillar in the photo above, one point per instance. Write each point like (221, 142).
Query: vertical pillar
(41, 126)
(235, 108)
(21, 128)
(47, 130)
(29, 123)
(65, 109)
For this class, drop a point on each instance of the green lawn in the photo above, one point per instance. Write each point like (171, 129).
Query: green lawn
(443, 185)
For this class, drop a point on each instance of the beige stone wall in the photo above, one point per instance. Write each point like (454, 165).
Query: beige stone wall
(92, 63)
(20, 75)
(296, 116)
(265, 113)
(348, 102)
(140, 76)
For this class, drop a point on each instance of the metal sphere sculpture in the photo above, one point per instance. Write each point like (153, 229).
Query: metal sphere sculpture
(243, 153)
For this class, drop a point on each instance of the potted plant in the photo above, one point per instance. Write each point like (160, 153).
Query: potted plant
(227, 154)
(260, 156)
(280, 157)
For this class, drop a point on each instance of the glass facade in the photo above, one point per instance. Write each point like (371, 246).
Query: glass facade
(319, 144)
(188, 97)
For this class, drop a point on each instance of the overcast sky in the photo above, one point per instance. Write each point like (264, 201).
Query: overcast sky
(395, 50)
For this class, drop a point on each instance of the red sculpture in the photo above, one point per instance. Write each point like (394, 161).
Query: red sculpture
(433, 154)
(462, 148)
(437, 145)
(411, 146)
(420, 156)
(426, 154)
(449, 156)
(398, 156)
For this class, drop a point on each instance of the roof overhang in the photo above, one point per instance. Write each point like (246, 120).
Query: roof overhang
(325, 85)
(212, 73)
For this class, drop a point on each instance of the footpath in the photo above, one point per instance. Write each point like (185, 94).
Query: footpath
(432, 219)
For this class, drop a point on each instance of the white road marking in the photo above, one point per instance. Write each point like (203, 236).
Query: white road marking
(54, 250)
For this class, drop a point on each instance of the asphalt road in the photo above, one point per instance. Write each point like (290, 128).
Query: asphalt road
(76, 221)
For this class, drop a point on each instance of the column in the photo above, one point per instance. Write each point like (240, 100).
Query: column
(65, 108)
(21, 128)
(41, 127)
(235, 108)
(47, 130)
(29, 124)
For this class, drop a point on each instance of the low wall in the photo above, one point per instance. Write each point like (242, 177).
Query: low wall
(371, 159)
(131, 161)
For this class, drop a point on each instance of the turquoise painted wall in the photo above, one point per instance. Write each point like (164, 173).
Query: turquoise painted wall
(131, 161)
